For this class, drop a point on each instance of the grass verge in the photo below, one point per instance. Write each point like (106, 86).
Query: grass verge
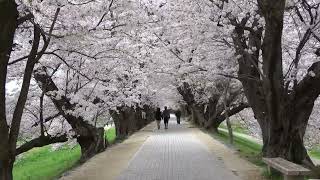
(315, 153)
(247, 149)
(45, 164)
(110, 135)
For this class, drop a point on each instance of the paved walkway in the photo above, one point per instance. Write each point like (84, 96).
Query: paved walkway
(175, 154)
(182, 152)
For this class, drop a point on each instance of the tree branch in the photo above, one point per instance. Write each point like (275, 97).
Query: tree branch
(232, 111)
(47, 119)
(24, 18)
(308, 88)
(40, 142)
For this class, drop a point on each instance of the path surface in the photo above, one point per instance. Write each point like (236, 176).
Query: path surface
(175, 154)
(182, 152)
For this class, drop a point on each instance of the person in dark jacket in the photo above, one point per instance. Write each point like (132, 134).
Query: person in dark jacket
(166, 117)
(158, 117)
(178, 115)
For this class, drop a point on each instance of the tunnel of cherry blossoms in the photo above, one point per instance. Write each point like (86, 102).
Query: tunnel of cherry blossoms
(72, 69)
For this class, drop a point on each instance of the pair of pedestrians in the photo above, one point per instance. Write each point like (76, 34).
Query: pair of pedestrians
(165, 115)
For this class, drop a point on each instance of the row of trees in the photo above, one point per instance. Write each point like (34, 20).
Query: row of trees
(275, 45)
(64, 73)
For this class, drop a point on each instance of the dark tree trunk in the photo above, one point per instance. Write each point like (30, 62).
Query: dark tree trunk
(91, 142)
(149, 114)
(285, 132)
(282, 115)
(138, 118)
(232, 111)
(116, 119)
(195, 116)
(213, 114)
(128, 120)
(121, 121)
(8, 25)
(133, 116)
(90, 138)
(187, 95)
(6, 167)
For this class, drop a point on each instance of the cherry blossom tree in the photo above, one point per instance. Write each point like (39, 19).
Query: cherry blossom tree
(281, 105)
(96, 59)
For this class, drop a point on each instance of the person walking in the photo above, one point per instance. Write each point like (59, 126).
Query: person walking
(178, 115)
(158, 117)
(166, 117)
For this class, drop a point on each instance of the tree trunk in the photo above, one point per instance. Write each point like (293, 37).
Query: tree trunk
(285, 139)
(288, 145)
(90, 138)
(285, 129)
(91, 144)
(213, 115)
(128, 120)
(149, 114)
(8, 25)
(121, 122)
(116, 119)
(194, 116)
(226, 110)
(6, 167)
(199, 115)
(138, 118)
(282, 115)
(218, 119)
(230, 132)
(132, 118)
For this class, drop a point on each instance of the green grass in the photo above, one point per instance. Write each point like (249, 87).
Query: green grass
(110, 135)
(45, 164)
(246, 148)
(315, 153)
(236, 128)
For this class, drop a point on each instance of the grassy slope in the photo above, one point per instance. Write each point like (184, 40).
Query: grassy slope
(246, 148)
(314, 153)
(110, 135)
(44, 164)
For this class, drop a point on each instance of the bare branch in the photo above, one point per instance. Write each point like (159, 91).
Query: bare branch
(174, 53)
(25, 18)
(103, 16)
(79, 4)
(47, 119)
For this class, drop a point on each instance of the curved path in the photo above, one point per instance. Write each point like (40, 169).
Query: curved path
(175, 154)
